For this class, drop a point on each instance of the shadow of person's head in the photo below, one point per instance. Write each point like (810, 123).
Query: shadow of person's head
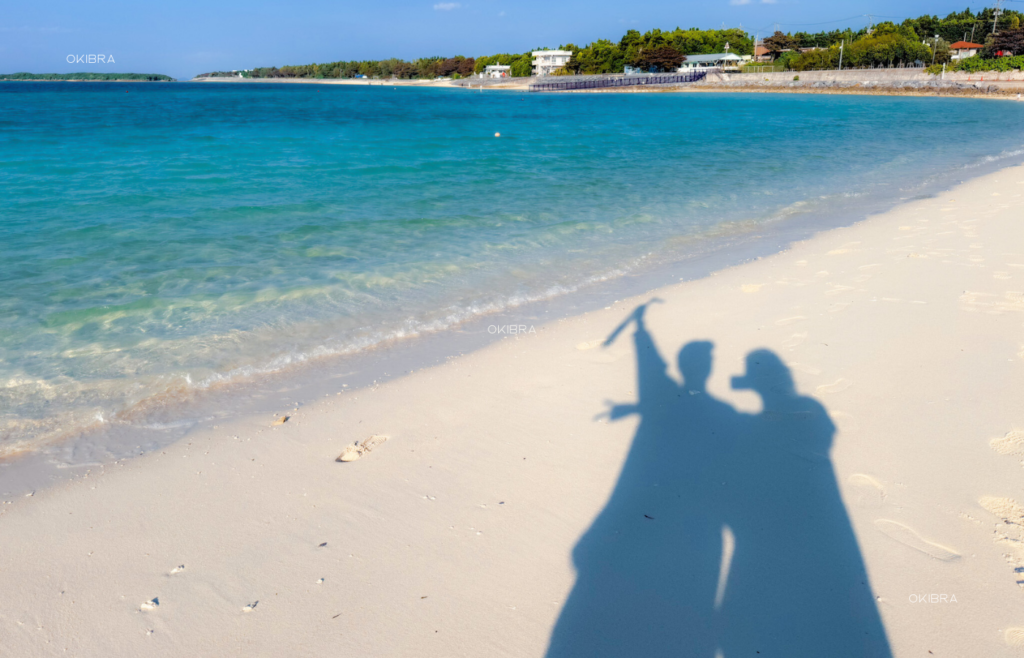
(695, 364)
(767, 376)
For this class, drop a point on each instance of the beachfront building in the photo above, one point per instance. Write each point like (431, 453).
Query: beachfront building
(724, 61)
(546, 62)
(963, 49)
(497, 71)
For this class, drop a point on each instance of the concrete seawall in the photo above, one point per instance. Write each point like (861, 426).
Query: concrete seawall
(854, 76)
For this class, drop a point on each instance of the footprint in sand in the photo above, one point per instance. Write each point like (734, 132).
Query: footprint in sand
(845, 422)
(804, 368)
(1011, 444)
(589, 345)
(867, 491)
(357, 450)
(1014, 637)
(1002, 276)
(1005, 508)
(838, 386)
(1009, 532)
(794, 340)
(909, 537)
(787, 321)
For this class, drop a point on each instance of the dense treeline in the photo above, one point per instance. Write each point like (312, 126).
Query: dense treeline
(109, 77)
(887, 45)
(424, 68)
(910, 43)
(655, 50)
(913, 42)
(522, 65)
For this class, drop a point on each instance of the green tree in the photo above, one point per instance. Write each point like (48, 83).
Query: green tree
(659, 58)
(778, 42)
(1009, 41)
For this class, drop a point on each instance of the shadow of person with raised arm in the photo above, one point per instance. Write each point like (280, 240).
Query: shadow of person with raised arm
(725, 533)
(648, 567)
(797, 585)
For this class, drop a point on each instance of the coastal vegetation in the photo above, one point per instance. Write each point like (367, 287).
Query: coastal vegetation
(101, 77)
(921, 41)
(655, 49)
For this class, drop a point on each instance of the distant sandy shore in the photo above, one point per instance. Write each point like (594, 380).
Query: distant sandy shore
(461, 533)
(1005, 89)
(332, 81)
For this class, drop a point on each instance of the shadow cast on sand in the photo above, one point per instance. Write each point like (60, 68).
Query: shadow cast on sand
(725, 534)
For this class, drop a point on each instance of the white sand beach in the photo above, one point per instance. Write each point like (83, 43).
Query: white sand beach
(535, 493)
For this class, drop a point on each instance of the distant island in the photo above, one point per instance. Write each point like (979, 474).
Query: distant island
(90, 77)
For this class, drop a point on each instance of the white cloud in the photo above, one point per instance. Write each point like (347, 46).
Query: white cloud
(446, 6)
(739, 2)
(768, 2)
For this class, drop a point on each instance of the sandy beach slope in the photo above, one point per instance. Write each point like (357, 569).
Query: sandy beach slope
(505, 476)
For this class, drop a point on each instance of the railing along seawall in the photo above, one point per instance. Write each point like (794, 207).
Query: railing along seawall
(598, 82)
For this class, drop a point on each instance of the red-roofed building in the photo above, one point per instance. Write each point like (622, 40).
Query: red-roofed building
(962, 49)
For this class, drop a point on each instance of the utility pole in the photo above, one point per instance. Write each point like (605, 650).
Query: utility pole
(935, 49)
(995, 15)
(841, 44)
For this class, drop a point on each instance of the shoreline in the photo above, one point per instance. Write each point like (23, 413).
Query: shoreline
(999, 88)
(154, 424)
(456, 533)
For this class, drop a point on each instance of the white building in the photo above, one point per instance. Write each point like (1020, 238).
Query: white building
(497, 71)
(963, 49)
(725, 61)
(547, 61)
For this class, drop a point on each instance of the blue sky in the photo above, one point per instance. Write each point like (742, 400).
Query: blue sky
(189, 37)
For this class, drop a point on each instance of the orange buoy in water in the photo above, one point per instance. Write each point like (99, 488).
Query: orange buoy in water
(497, 134)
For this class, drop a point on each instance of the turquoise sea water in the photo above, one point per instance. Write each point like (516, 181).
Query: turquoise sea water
(159, 242)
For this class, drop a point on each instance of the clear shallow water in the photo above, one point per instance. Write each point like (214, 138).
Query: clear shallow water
(168, 240)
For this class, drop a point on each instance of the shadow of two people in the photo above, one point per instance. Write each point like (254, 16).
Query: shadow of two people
(725, 533)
